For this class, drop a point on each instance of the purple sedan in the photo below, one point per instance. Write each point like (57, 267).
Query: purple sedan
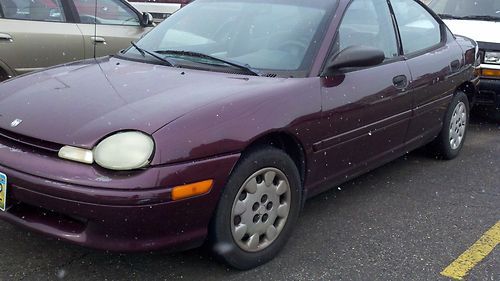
(219, 123)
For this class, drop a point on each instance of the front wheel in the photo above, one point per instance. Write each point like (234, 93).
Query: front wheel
(257, 210)
(452, 137)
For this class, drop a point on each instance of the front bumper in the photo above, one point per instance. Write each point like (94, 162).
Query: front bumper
(92, 207)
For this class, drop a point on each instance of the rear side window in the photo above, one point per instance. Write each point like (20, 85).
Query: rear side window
(418, 29)
(37, 10)
(110, 12)
(367, 23)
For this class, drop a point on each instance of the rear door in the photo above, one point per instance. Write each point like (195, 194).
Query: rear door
(366, 110)
(434, 59)
(35, 34)
(117, 24)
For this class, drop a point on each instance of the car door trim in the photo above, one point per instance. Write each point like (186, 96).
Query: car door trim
(420, 110)
(362, 131)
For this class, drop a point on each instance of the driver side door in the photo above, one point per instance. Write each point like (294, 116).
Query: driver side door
(366, 110)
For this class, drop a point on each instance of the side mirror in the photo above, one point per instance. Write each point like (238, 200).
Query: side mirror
(147, 19)
(356, 56)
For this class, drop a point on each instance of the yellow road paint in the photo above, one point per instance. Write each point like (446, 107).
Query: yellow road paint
(459, 268)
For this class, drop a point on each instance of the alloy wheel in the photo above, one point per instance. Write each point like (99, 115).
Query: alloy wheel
(457, 125)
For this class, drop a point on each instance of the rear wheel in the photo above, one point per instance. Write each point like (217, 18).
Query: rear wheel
(451, 139)
(257, 210)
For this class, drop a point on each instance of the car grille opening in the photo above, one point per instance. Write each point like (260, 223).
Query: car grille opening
(12, 139)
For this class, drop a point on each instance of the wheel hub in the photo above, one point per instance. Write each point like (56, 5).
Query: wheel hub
(260, 209)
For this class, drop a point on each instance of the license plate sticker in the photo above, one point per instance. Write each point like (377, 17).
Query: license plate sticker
(3, 191)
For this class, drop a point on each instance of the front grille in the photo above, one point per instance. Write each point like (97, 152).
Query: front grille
(11, 138)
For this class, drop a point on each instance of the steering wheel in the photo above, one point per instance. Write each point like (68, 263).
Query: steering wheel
(294, 47)
(89, 19)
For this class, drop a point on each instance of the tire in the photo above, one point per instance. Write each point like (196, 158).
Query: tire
(251, 203)
(452, 136)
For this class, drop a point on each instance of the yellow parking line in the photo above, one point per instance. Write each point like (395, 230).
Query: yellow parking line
(476, 253)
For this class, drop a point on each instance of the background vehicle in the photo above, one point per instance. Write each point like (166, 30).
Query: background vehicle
(479, 20)
(35, 34)
(210, 130)
(160, 9)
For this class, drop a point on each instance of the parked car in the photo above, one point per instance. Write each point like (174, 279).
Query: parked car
(221, 121)
(479, 20)
(35, 34)
(160, 9)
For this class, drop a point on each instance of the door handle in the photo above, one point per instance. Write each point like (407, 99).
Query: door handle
(6, 37)
(400, 81)
(97, 39)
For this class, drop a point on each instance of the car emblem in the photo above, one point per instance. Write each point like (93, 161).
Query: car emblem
(16, 123)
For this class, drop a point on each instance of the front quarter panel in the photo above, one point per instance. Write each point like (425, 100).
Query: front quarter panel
(229, 125)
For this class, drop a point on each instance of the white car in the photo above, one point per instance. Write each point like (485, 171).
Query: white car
(479, 20)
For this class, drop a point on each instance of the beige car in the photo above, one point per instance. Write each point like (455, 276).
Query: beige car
(35, 34)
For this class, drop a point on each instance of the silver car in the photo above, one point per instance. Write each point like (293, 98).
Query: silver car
(35, 34)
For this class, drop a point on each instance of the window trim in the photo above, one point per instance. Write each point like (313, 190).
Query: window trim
(329, 55)
(442, 31)
(76, 14)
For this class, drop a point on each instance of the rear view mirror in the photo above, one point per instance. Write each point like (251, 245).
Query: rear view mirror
(147, 19)
(356, 56)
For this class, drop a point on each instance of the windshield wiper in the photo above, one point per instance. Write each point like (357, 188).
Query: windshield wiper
(144, 52)
(449, 16)
(485, 18)
(478, 17)
(245, 67)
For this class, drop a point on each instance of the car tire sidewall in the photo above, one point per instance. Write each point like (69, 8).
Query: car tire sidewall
(220, 236)
(444, 147)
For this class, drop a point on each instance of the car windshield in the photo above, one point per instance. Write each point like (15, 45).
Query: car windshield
(467, 9)
(270, 35)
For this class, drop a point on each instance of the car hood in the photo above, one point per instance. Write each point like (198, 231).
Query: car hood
(482, 31)
(80, 103)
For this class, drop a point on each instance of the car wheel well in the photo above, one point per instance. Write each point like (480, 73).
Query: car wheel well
(469, 90)
(288, 144)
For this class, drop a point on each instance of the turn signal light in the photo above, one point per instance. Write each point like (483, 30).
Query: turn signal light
(191, 190)
(491, 73)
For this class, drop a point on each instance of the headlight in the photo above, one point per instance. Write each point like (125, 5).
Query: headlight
(492, 57)
(124, 151)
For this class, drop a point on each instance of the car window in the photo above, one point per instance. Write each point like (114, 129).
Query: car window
(419, 30)
(467, 8)
(112, 12)
(39, 10)
(367, 23)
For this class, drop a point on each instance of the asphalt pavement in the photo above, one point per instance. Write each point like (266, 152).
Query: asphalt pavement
(407, 220)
